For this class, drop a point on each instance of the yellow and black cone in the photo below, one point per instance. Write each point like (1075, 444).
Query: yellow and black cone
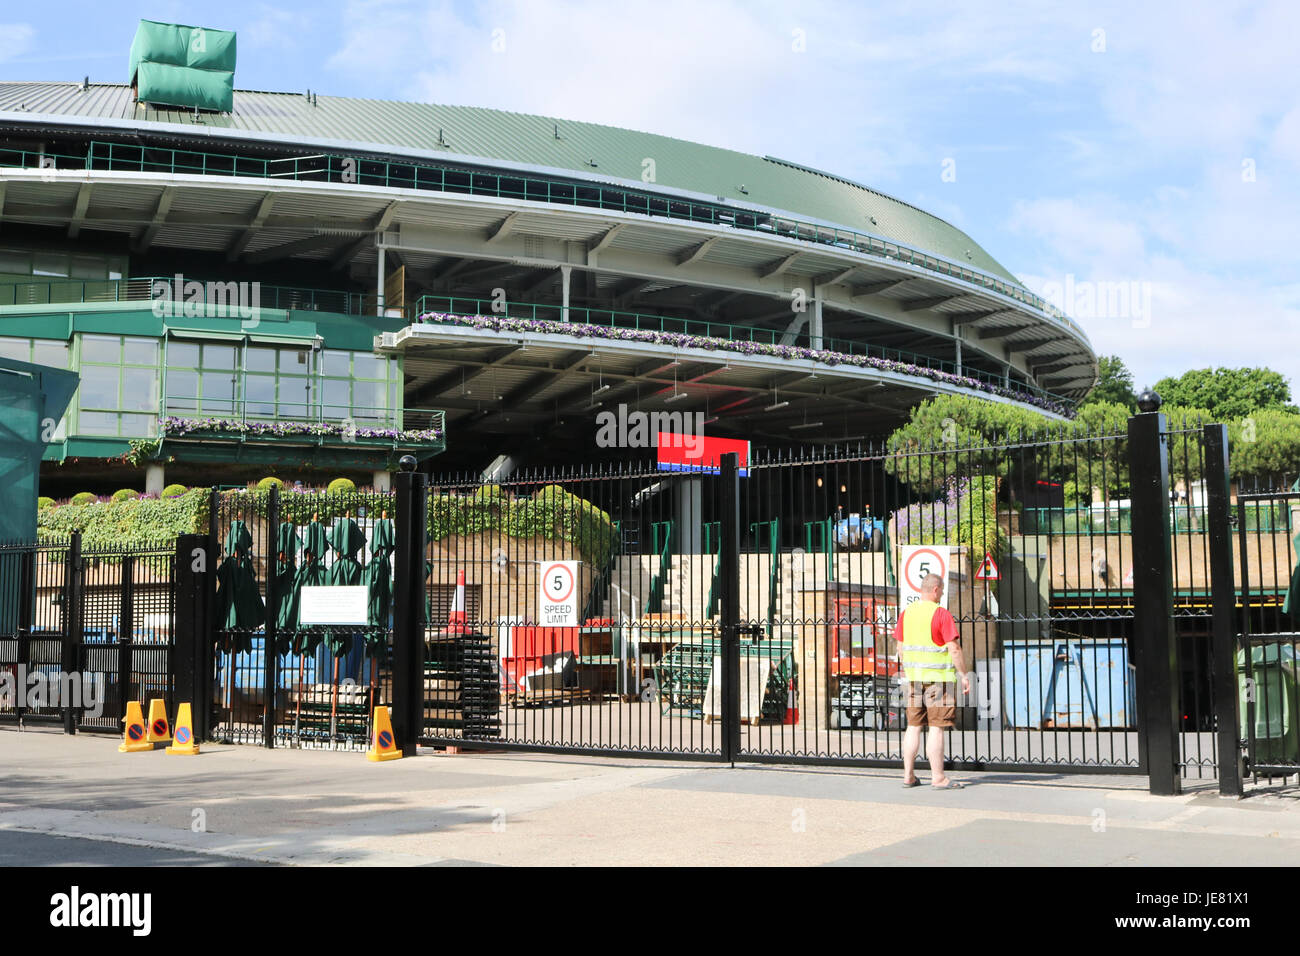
(185, 742)
(135, 737)
(159, 730)
(383, 745)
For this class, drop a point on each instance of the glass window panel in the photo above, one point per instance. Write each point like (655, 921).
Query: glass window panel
(139, 426)
(18, 349)
(182, 355)
(50, 264)
(368, 396)
(260, 360)
(337, 363)
(259, 395)
(85, 267)
(103, 349)
(219, 356)
(50, 352)
(295, 361)
(139, 389)
(15, 263)
(140, 351)
(218, 393)
(98, 387)
(369, 366)
(97, 423)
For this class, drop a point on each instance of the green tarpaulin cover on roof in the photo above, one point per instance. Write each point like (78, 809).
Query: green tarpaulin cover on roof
(177, 65)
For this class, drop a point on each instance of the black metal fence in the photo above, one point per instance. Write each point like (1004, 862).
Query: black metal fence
(83, 631)
(743, 611)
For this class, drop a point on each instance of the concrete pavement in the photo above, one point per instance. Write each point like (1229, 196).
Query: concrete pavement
(243, 803)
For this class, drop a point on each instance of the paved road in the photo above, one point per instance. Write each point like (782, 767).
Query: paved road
(19, 848)
(236, 804)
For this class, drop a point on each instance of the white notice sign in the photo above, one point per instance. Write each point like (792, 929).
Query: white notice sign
(557, 594)
(333, 605)
(917, 562)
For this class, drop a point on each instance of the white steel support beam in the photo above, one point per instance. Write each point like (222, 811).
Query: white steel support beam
(259, 218)
(565, 272)
(817, 328)
(697, 252)
(503, 228)
(79, 210)
(159, 217)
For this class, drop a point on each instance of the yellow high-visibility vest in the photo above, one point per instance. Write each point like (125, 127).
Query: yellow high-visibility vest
(923, 662)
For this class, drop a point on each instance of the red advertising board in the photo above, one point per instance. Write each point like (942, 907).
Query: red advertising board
(699, 452)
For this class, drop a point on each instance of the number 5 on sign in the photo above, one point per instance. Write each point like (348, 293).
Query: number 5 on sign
(557, 596)
(919, 561)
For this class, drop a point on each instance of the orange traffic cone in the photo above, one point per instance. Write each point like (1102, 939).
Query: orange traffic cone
(133, 739)
(159, 730)
(383, 745)
(458, 622)
(791, 706)
(185, 742)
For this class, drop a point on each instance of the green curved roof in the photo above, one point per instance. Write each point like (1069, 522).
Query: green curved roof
(532, 140)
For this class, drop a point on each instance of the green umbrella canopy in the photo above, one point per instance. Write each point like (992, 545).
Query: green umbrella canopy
(348, 540)
(377, 575)
(239, 607)
(285, 573)
(311, 572)
(1291, 606)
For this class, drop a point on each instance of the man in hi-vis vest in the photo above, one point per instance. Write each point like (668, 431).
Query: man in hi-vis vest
(929, 648)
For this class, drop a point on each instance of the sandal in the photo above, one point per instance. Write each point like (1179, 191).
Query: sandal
(909, 786)
(950, 785)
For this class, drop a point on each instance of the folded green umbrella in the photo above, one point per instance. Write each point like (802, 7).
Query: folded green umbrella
(285, 576)
(311, 573)
(239, 607)
(1291, 606)
(378, 578)
(348, 540)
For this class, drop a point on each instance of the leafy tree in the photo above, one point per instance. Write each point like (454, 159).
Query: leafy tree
(1114, 384)
(1266, 442)
(1226, 393)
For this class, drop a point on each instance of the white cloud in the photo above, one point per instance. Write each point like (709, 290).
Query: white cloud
(15, 40)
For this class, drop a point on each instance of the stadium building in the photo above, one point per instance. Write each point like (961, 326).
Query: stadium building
(253, 281)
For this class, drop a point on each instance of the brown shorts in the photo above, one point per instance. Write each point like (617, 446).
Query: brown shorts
(931, 705)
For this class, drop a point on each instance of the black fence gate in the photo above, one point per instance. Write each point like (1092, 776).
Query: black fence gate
(730, 610)
(83, 631)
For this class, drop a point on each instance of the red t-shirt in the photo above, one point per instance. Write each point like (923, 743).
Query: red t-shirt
(943, 629)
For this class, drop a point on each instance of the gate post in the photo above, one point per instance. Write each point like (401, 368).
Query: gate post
(1224, 603)
(26, 621)
(192, 644)
(126, 635)
(1153, 597)
(408, 606)
(271, 539)
(729, 602)
(72, 623)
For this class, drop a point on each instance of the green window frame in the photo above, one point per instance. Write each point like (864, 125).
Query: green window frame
(361, 386)
(120, 385)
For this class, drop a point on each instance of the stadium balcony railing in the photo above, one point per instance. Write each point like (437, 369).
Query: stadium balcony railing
(344, 169)
(145, 289)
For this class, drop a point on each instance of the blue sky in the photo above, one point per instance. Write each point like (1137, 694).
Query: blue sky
(1153, 145)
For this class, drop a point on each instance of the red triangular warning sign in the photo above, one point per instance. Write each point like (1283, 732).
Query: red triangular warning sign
(988, 569)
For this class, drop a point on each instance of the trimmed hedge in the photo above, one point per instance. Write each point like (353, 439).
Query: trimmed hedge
(125, 494)
(269, 482)
(174, 491)
(136, 522)
(341, 485)
(43, 502)
(83, 498)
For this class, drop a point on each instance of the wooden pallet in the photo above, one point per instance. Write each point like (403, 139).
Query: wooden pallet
(540, 698)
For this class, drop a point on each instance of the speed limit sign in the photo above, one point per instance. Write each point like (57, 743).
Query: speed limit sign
(919, 561)
(557, 595)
